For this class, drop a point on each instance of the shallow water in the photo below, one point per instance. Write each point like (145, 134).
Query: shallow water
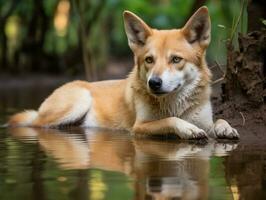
(100, 164)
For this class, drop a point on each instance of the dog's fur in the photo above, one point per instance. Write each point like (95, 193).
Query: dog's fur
(181, 107)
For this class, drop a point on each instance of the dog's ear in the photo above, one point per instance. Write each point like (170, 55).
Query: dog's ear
(198, 28)
(136, 29)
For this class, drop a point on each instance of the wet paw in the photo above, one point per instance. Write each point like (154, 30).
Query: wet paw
(190, 131)
(222, 130)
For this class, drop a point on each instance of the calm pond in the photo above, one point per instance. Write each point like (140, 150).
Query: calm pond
(100, 164)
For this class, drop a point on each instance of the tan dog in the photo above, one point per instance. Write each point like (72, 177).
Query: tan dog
(168, 91)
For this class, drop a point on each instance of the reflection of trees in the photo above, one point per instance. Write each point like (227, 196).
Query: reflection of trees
(246, 171)
(81, 189)
(3, 155)
(37, 163)
(22, 170)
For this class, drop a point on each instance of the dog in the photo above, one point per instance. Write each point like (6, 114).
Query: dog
(167, 92)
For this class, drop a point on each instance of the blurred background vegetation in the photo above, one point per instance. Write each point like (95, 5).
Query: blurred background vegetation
(71, 37)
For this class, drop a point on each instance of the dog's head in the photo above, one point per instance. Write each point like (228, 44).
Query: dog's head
(167, 60)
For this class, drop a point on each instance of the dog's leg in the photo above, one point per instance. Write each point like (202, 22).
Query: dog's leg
(202, 117)
(170, 125)
(66, 105)
(222, 129)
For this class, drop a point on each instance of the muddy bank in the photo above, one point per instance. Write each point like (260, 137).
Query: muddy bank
(249, 120)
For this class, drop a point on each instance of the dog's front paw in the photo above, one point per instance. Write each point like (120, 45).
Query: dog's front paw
(190, 131)
(222, 130)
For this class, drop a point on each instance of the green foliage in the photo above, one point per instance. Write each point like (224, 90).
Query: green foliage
(105, 35)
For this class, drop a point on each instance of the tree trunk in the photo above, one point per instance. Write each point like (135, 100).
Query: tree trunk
(3, 38)
(4, 49)
(85, 33)
(32, 45)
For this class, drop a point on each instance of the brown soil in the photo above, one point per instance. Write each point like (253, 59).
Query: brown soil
(250, 121)
(246, 68)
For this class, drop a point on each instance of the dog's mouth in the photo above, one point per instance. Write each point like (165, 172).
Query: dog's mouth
(160, 93)
(164, 93)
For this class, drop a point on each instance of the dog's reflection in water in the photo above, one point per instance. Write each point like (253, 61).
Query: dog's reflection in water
(162, 169)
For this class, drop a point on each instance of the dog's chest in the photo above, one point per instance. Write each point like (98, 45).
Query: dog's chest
(172, 108)
(163, 109)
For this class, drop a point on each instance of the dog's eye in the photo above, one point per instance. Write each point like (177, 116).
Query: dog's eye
(176, 59)
(149, 59)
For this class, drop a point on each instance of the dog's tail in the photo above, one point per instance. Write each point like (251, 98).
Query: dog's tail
(25, 118)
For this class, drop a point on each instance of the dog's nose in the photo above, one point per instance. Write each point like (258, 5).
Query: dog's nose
(155, 83)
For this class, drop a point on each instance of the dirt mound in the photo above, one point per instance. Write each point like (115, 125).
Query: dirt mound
(250, 121)
(246, 68)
